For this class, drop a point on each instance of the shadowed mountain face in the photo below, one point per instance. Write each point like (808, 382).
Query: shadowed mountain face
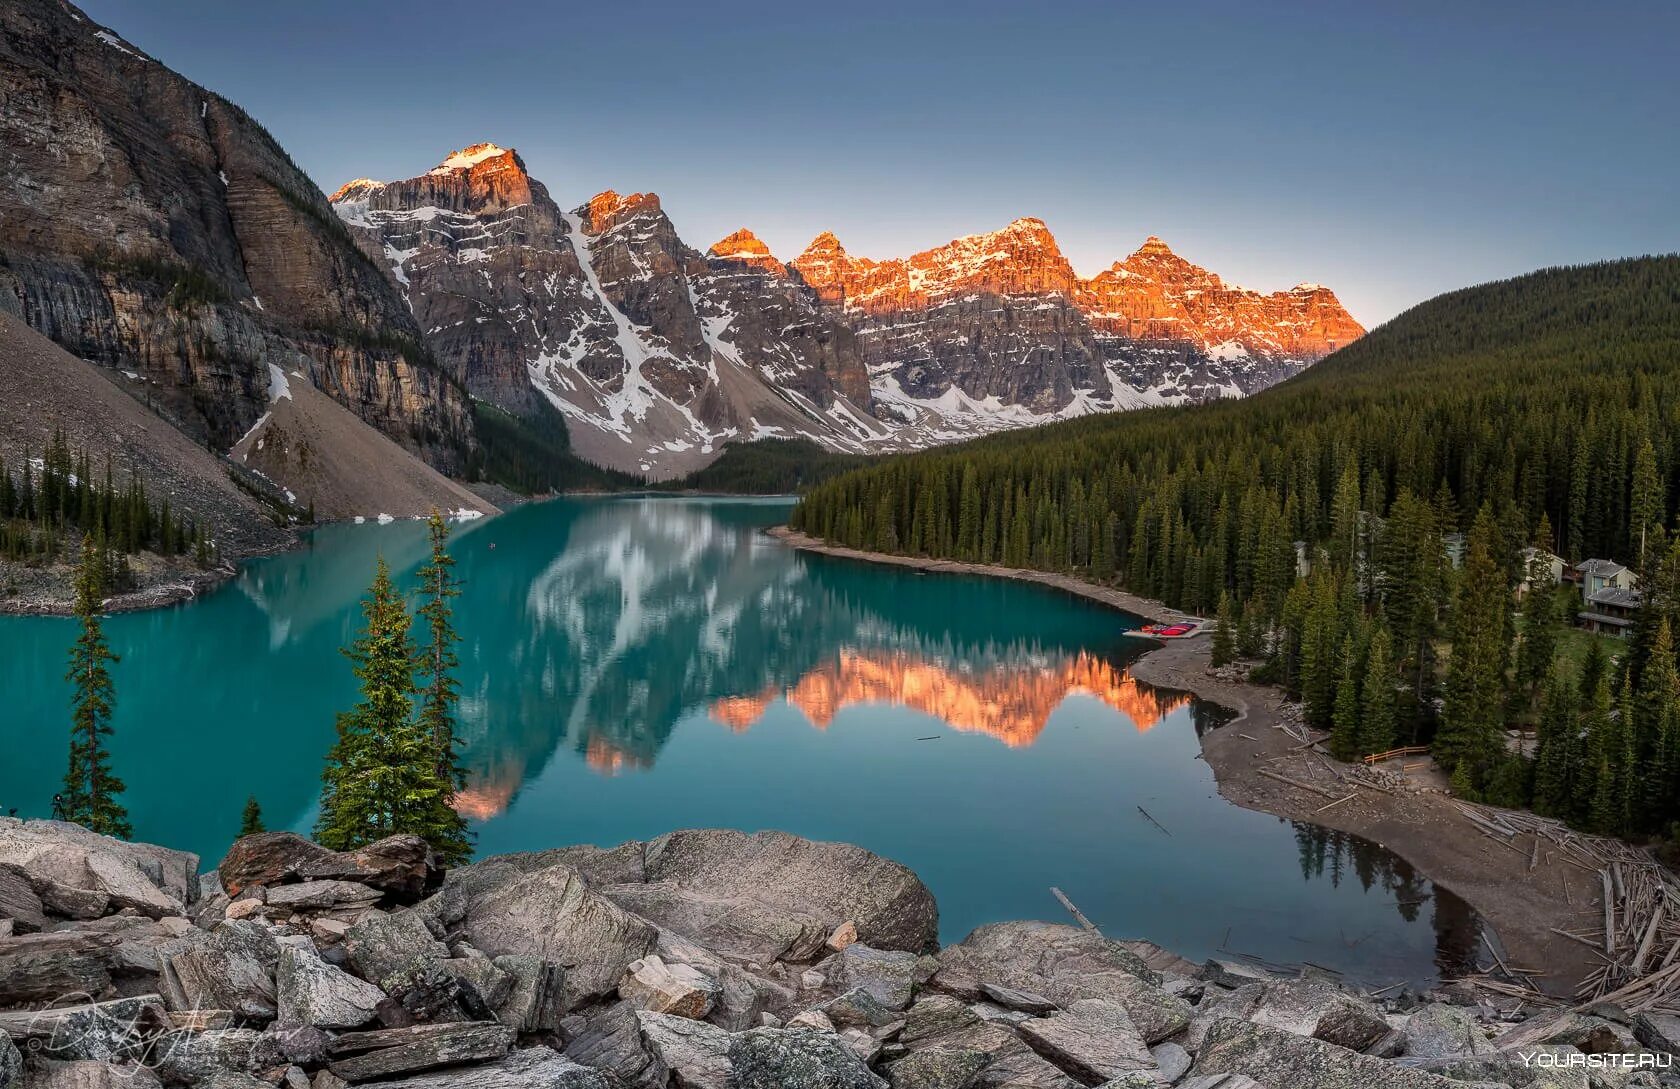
(150, 225)
(655, 353)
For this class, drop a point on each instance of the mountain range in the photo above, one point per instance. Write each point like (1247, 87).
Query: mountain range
(156, 230)
(658, 354)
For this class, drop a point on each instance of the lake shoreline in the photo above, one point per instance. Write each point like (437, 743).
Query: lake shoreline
(1428, 830)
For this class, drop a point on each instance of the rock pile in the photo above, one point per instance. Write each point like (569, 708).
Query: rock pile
(698, 960)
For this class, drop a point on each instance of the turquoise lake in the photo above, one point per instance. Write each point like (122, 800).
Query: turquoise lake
(634, 665)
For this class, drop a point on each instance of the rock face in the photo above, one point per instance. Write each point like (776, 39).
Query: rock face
(654, 353)
(151, 225)
(1003, 315)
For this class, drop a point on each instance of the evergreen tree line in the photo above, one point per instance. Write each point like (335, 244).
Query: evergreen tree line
(394, 768)
(44, 506)
(1541, 410)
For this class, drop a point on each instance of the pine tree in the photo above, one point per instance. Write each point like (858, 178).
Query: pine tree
(1659, 718)
(1376, 696)
(440, 694)
(1344, 729)
(1646, 501)
(1344, 518)
(1224, 649)
(382, 775)
(1472, 719)
(1557, 750)
(90, 789)
(1604, 752)
(1320, 642)
(251, 821)
(1542, 623)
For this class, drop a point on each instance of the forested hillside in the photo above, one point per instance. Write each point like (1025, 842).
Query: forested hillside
(1543, 409)
(771, 467)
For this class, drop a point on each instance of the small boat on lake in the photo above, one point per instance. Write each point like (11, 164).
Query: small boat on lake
(1183, 628)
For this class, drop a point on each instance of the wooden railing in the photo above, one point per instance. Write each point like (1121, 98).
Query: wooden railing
(1379, 757)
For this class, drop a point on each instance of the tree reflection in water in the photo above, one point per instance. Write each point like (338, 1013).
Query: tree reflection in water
(1327, 853)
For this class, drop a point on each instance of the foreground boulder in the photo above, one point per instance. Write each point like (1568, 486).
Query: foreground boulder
(385, 1053)
(1277, 1057)
(1093, 1040)
(532, 1068)
(797, 1059)
(230, 968)
(1438, 1031)
(314, 993)
(1032, 967)
(773, 896)
(399, 869)
(68, 859)
(1319, 1008)
(550, 913)
(694, 1053)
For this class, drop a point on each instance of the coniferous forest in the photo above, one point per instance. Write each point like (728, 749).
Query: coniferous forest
(1364, 530)
(48, 502)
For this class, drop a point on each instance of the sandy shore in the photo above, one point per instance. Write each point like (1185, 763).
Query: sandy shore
(1107, 595)
(1427, 829)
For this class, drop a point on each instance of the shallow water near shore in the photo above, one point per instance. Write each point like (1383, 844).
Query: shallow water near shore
(630, 666)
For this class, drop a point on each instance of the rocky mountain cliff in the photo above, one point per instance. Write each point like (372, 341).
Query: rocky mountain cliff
(998, 330)
(655, 353)
(148, 224)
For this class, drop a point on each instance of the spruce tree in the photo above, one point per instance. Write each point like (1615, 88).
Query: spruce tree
(382, 775)
(251, 821)
(90, 789)
(1472, 720)
(1604, 752)
(1541, 628)
(440, 692)
(1557, 750)
(1376, 695)
(1659, 719)
(1344, 728)
(1224, 649)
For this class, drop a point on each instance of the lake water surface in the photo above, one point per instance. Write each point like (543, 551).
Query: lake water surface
(630, 666)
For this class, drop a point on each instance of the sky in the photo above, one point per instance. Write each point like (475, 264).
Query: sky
(1392, 152)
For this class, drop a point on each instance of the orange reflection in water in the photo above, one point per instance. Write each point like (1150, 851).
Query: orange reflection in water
(1010, 703)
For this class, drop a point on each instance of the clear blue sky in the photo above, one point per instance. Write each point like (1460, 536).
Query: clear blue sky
(1391, 155)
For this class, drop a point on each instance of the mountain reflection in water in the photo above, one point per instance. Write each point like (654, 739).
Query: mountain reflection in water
(1011, 702)
(653, 610)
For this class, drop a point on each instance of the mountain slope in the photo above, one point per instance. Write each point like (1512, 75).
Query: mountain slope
(655, 353)
(1533, 396)
(997, 329)
(149, 224)
(44, 389)
(337, 466)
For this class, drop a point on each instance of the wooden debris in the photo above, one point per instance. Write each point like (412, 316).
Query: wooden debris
(1074, 911)
(1636, 908)
(1294, 782)
(1152, 820)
